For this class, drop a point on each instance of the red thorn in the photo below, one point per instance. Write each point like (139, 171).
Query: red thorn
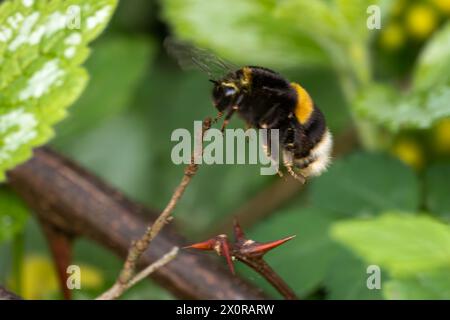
(220, 245)
(61, 247)
(238, 233)
(225, 251)
(205, 245)
(262, 248)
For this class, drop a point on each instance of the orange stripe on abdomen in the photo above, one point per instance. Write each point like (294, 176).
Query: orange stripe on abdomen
(305, 105)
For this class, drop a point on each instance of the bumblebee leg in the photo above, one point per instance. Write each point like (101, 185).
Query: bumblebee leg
(270, 118)
(227, 117)
(269, 155)
(267, 148)
(298, 176)
(295, 175)
(288, 163)
(266, 145)
(217, 118)
(288, 139)
(305, 162)
(290, 143)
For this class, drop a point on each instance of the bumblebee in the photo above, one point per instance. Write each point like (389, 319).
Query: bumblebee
(266, 100)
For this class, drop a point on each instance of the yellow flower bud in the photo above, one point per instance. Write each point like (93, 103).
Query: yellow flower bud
(392, 37)
(443, 5)
(39, 280)
(421, 20)
(91, 277)
(410, 152)
(441, 137)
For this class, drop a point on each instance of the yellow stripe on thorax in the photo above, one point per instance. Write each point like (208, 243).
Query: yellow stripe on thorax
(305, 105)
(247, 79)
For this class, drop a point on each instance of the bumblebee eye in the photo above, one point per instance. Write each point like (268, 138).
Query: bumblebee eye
(229, 91)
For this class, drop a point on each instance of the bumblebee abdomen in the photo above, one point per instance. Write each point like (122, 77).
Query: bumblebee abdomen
(304, 106)
(313, 142)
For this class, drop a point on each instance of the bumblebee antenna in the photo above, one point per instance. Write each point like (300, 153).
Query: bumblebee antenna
(213, 81)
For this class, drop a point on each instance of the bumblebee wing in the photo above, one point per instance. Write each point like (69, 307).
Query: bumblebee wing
(191, 57)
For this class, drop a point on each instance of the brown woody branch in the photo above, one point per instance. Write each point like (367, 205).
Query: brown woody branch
(126, 277)
(79, 204)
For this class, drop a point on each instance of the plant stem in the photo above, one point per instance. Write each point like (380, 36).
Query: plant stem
(140, 246)
(154, 266)
(73, 200)
(263, 268)
(118, 289)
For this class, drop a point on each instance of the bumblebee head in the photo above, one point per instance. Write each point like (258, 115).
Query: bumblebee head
(225, 94)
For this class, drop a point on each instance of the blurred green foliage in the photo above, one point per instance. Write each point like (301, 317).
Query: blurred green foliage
(95, 106)
(427, 99)
(423, 285)
(365, 184)
(413, 248)
(13, 214)
(404, 243)
(437, 200)
(387, 207)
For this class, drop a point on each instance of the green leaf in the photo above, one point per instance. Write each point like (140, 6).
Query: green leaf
(436, 196)
(114, 79)
(13, 214)
(322, 20)
(433, 66)
(339, 27)
(347, 278)
(385, 106)
(335, 23)
(304, 261)
(403, 244)
(354, 14)
(363, 184)
(41, 49)
(234, 27)
(425, 103)
(430, 285)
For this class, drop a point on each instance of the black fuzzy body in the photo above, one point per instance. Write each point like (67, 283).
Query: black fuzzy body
(269, 101)
(267, 90)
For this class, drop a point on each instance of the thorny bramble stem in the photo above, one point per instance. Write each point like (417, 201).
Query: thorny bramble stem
(249, 252)
(140, 246)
